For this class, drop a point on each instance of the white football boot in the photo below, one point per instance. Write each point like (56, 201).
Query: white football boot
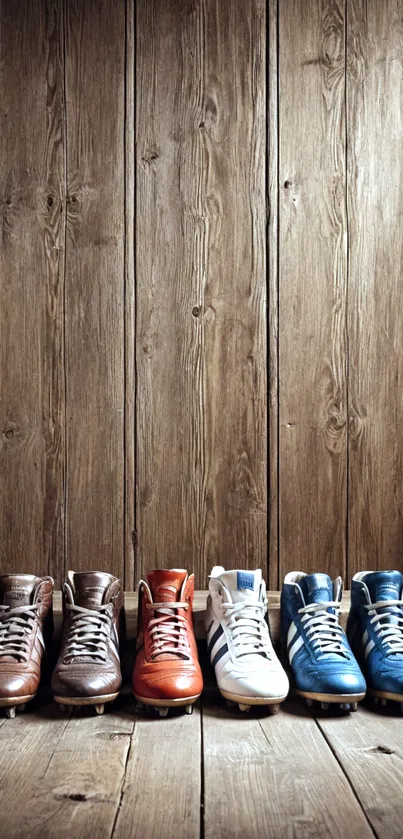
(247, 669)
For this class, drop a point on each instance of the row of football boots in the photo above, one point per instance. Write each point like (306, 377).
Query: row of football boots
(88, 669)
(321, 663)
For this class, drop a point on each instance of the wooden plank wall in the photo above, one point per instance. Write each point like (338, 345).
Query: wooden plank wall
(201, 295)
(200, 281)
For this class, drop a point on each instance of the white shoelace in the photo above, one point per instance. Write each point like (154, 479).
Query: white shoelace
(168, 631)
(391, 634)
(249, 630)
(15, 627)
(89, 633)
(323, 628)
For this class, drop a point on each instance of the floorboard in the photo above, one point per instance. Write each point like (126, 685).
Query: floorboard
(161, 795)
(62, 776)
(369, 747)
(274, 776)
(217, 773)
(122, 776)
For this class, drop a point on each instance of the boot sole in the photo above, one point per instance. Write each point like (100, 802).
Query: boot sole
(85, 700)
(335, 698)
(16, 700)
(384, 694)
(166, 703)
(253, 700)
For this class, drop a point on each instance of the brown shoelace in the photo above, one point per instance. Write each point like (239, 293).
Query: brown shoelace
(15, 627)
(89, 633)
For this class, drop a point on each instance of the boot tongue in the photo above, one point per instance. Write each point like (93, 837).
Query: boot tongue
(242, 585)
(384, 585)
(90, 588)
(166, 586)
(17, 589)
(317, 588)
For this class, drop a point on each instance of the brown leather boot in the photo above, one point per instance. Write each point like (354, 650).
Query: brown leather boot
(166, 671)
(88, 669)
(25, 624)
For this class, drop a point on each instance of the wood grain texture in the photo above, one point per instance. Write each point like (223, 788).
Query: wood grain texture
(95, 277)
(291, 785)
(71, 772)
(216, 773)
(375, 316)
(162, 179)
(31, 287)
(235, 340)
(201, 342)
(26, 749)
(129, 299)
(272, 186)
(161, 794)
(312, 284)
(370, 751)
(170, 266)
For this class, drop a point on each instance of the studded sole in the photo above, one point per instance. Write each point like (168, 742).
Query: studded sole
(331, 698)
(253, 700)
(166, 703)
(16, 700)
(85, 700)
(384, 694)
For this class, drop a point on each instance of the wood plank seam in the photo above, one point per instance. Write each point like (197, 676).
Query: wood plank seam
(349, 781)
(130, 377)
(65, 187)
(202, 785)
(347, 334)
(56, 746)
(272, 263)
(123, 782)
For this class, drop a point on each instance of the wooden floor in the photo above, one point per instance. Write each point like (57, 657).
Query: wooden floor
(217, 773)
(214, 774)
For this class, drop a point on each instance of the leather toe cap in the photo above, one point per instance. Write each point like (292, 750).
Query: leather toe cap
(13, 685)
(349, 683)
(168, 684)
(78, 683)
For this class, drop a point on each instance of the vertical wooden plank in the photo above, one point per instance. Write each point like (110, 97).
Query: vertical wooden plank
(312, 283)
(62, 778)
(130, 384)
(95, 276)
(31, 287)
(375, 316)
(235, 341)
(170, 266)
(369, 748)
(272, 266)
(201, 341)
(274, 777)
(161, 792)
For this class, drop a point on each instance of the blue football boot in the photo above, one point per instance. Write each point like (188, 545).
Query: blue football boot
(375, 631)
(314, 643)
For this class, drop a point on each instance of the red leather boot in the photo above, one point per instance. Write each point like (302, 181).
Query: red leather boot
(166, 671)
